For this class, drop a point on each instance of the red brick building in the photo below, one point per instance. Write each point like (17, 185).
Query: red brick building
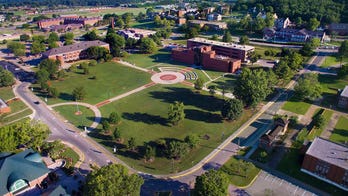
(72, 52)
(231, 50)
(327, 161)
(205, 56)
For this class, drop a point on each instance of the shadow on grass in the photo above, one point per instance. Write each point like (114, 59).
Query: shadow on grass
(188, 97)
(145, 118)
(198, 115)
(66, 97)
(343, 135)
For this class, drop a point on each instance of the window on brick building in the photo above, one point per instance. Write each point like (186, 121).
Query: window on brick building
(322, 168)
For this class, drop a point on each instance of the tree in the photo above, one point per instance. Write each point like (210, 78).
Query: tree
(192, 140)
(52, 45)
(343, 50)
(97, 52)
(79, 93)
(112, 179)
(269, 20)
(150, 152)
(24, 37)
(106, 125)
(227, 37)
(259, 24)
(116, 134)
(92, 63)
(212, 182)
(53, 37)
(51, 66)
(6, 77)
(37, 47)
(131, 144)
(313, 24)
(116, 43)
(147, 45)
(244, 40)
(307, 49)
(254, 58)
(199, 84)
(254, 86)
(17, 48)
(31, 134)
(68, 36)
(68, 42)
(283, 71)
(38, 38)
(91, 35)
(176, 112)
(42, 76)
(114, 118)
(86, 70)
(214, 37)
(308, 87)
(232, 109)
(314, 42)
(177, 149)
(318, 121)
(53, 92)
(191, 33)
(212, 89)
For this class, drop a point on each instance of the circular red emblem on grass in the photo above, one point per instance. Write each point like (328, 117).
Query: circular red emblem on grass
(168, 77)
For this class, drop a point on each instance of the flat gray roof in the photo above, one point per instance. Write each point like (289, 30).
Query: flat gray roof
(330, 152)
(223, 44)
(344, 93)
(74, 47)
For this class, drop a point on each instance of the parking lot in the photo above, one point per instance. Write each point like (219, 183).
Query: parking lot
(267, 184)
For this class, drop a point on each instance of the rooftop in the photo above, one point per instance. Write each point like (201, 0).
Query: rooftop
(344, 93)
(223, 44)
(74, 47)
(330, 152)
(26, 165)
(207, 22)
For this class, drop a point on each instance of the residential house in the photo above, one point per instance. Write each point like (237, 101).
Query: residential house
(214, 17)
(327, 161)
(270, 139)
(20, 172)
(339, 28)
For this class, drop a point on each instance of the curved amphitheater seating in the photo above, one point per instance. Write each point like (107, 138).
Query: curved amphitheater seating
(189, 75)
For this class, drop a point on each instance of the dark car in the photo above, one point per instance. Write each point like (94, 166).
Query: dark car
(37, 102)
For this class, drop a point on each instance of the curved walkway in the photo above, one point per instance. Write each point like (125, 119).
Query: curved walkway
(97, 114)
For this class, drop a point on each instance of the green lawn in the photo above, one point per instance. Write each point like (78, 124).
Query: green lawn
(6, 93)
(332, 60)
(70, 153)
(340, 134)
(260, 50)
(144, 116)
(330, 85)
(228, 82)
(18, 108)
(85, 119)
(112, 79)
(317, 132)
(296, 106)
(144, 25)
(240, 173)
(148, 60)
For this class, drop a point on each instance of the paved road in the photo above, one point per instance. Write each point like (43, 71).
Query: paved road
(63, 131)
(180, 183)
